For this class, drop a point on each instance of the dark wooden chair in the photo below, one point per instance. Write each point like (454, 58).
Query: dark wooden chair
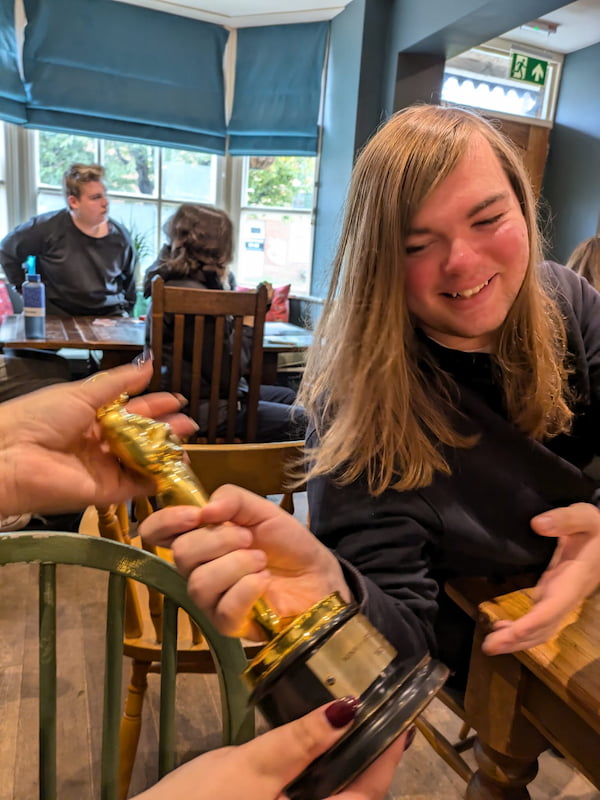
(125, 566)
(206, 354)
(468, 594)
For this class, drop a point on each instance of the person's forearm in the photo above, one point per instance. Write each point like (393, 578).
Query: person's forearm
(10, 501)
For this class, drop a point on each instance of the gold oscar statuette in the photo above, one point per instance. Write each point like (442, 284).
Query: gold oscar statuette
(328, 652)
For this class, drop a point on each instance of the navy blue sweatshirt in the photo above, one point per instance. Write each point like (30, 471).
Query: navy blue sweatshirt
(399, 548)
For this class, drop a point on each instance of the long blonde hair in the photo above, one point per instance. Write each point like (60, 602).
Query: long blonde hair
(374, 410)
(585, 260)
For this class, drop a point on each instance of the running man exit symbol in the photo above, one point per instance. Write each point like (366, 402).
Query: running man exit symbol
(528, 69)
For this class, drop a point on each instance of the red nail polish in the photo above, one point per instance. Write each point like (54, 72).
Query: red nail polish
(342, 712)
(410, 737)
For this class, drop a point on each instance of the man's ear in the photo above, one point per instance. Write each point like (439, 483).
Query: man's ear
(72, 201)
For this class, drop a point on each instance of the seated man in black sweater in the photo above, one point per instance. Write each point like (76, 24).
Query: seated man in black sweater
(85, 259)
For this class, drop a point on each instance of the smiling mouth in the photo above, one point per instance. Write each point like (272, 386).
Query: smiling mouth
(466, 293)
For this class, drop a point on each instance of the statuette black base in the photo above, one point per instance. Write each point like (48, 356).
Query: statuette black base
(332, 651)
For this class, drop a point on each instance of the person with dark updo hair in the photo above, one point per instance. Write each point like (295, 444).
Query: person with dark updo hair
(197, 255)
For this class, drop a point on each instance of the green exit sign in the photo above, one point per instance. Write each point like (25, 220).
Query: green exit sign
(529, 69)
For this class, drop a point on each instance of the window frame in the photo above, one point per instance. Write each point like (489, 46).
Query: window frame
(23, 187)
(505, 48)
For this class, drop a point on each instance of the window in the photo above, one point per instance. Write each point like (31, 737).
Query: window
(145, 184)
(275, 221)
(3, 209)
(271, 198)
(480, 78)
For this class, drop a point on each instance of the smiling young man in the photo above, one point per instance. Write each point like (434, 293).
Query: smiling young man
(454, 384)
(86, 260)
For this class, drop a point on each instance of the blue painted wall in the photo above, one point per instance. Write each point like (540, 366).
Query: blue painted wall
(572, 177)
(340, 114)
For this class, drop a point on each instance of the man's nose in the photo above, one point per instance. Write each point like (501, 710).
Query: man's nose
(461, 255)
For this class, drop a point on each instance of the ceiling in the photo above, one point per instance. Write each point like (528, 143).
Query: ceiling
(579, 22)
(248, 13)
(578, 27)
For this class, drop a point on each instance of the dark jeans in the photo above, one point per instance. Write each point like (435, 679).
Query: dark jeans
(277, 420)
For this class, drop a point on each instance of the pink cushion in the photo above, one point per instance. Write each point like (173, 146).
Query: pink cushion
(280, 303)
(6, 306)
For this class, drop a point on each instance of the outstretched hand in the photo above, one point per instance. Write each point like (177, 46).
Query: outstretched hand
(53, 456)
(250, 548)
(260, 769)
(573, 574)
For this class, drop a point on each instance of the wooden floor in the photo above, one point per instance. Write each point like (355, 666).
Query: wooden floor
(421, 776)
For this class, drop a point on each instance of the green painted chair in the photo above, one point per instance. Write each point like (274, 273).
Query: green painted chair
(122, 561)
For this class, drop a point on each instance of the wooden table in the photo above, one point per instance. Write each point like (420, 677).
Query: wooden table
(281, 337)
(119, 338)
(122, 338)
(521, 702)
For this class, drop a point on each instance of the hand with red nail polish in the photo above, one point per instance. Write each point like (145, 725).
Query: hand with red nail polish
(260, 769)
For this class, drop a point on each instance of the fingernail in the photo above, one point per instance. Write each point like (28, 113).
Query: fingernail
(183, 401)
(545, 522)
(342, 712)
(144, 357)
(410, 737)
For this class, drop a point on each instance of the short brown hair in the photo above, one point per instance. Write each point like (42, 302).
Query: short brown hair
(77, 175)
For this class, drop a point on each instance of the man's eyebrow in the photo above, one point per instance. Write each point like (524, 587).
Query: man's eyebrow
(471, 213)
(487, 202)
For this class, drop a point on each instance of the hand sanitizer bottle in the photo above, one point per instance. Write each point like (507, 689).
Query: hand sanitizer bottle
(34, 303)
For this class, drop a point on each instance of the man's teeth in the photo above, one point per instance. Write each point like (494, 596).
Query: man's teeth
(469, 292)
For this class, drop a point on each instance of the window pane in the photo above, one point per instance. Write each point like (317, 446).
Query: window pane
(281, 181)
(480, 78)
(276, 247)
(3, 212)
(49, 201)
(189, 176)
(141, 220)
(3, 205)
(166, 211)
(130, 168)
(57, 151)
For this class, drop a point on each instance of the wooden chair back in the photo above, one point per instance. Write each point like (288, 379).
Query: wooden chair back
(122, 562)
(206, 353)
(260, 468)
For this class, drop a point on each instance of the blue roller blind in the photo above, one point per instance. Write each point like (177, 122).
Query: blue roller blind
(12, 93)
(112, 69)
(278, 78)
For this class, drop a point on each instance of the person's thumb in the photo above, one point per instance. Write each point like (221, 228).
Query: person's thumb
(298, 743)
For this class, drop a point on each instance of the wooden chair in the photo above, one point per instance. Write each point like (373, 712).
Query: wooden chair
(451, 752)
(261, 468)
(468, 594)
(122, 562)
(206, 324)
